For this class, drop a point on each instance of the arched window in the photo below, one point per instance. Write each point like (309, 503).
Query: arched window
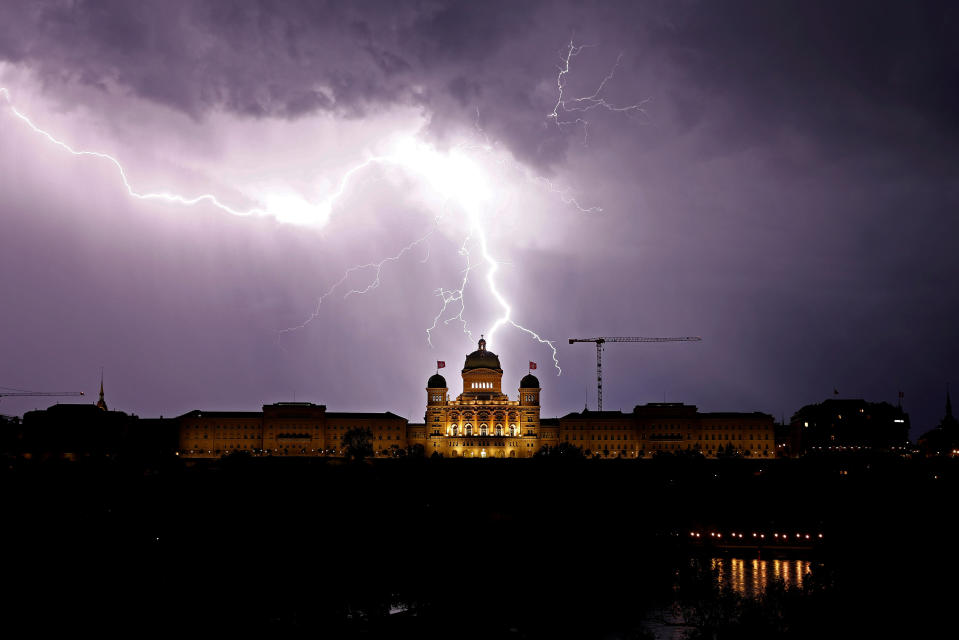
(499, 429)
(453, 430)
(484, 430)
(512, 430)
(469, 429)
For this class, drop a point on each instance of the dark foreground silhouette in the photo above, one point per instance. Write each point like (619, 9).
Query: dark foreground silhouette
(458, 548)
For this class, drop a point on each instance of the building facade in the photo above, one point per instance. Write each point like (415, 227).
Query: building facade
(480, 422)
(669, 428)
(293, 429)
(850, 425)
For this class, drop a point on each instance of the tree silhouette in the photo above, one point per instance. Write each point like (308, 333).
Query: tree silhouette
(416, 451)
(358, 444)
(564, 450)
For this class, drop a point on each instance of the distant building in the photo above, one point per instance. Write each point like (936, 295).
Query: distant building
(607, 434)
(481, 422)
(75, 431)
(85, 430)
(284, 429)
(669, 428)
(788, 444)
(944, 439)
(837, 425)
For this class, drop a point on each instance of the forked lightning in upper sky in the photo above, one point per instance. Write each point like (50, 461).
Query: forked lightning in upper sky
(455, 175)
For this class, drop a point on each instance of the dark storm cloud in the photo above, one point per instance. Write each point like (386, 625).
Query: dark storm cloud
(844, 72)
(843, 69)
(287, 59)
(268, 58)
(257, 59)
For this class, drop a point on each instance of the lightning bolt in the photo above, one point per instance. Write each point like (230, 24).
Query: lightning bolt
(321, 209)
(451, 299)
(374, 282)
(450, 296)
(161, 195)
(586, 103)
(505, 319)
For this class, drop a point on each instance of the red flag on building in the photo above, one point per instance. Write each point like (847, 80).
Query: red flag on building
(532, 365)
(440, 364)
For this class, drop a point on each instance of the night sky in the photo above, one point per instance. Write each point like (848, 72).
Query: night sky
(779, 178)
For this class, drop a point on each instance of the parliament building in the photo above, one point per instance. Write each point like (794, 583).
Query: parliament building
(481, 422)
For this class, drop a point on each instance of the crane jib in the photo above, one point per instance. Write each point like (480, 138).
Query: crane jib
(599, 354)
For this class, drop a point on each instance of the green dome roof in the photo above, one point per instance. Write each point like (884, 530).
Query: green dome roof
(482, 359)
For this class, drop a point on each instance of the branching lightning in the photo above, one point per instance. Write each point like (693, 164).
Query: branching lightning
(164, 196)
(450, 296)
(451, 174)
(507, 310)
(584, 104)
(374, 282)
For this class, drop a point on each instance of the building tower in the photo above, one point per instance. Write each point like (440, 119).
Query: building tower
(529, 402)
(101, 403)
(482, 375)
(529, 391)
(482, 421)
(436, 395)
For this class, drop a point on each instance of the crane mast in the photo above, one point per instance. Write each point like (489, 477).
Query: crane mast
(599, 355)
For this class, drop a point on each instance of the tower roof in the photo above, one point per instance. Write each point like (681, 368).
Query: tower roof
(482, 359)
(101, 403)
(529, 381)
(436, 381)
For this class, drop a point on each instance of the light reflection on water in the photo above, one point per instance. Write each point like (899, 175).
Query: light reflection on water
(747, 577)
(750, 576)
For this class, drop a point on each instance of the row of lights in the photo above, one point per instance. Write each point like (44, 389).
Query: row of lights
(762, 536)
(255, 451)
(861, 448)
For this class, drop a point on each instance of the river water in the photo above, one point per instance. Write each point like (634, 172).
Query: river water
(747, 577)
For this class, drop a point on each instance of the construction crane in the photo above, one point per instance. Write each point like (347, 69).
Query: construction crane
(34, 394)
(599, 355)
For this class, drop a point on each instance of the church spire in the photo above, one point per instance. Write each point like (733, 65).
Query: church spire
(101, 403)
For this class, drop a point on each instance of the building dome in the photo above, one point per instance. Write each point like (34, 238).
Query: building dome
(436, 381)
(529, 381)
(482, 359)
